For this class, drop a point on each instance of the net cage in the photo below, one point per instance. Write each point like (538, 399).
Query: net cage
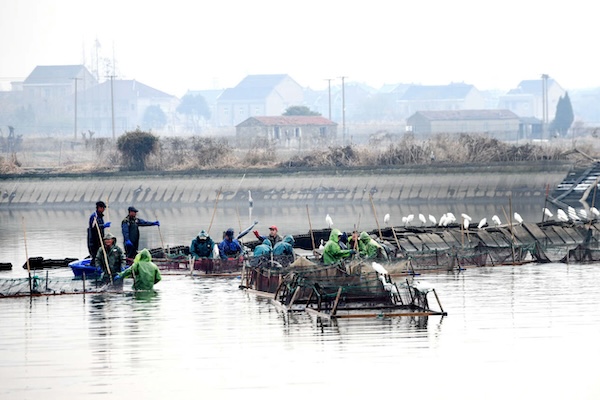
(50, 285)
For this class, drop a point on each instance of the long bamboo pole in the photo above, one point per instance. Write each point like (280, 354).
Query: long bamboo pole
(312, 235)
(375, 213)
(103, 249)
(214, 210)
(27, 255)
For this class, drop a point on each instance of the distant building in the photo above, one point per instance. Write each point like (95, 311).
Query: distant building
(49, 91)
(257, 95)
(211, 97)
(130, 100)
(287, 131)
(527, 100)
(455, 96)
(494, 122)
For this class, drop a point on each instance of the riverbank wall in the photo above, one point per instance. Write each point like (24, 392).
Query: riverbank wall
(423, 184)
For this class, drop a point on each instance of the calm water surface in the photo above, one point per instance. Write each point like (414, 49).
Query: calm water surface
(527, 332)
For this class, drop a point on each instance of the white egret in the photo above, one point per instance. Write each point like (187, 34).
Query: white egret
(321, 245)
(379, 268)
(518, 218)
(451, 218)
(423, 287)
(582, 213)
(405, 220)
(572, 214)
(465, 216)
(432, 219)
(422, 219)
(548, 213)
(329, 221)
(466, 223)
(410, 218)
(482, 223)
(442, 220)
(250, 201)
(496, 220)
(561, 215)
(595, 212)
(386, 219)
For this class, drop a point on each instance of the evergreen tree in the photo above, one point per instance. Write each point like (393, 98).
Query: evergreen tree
(564, 116)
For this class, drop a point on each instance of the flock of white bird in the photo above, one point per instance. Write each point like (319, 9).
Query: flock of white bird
(449, 218)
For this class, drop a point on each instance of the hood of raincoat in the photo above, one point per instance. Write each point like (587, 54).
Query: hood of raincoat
(335, 235)
(364, 237)
(289, 239)
(144, 255)
(267, 242)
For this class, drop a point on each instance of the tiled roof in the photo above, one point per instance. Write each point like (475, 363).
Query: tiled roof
(533, 86)
(127, 89)
(62, 74)
(253, 87)
(468, 115)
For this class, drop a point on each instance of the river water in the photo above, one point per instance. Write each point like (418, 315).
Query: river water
(525, 332)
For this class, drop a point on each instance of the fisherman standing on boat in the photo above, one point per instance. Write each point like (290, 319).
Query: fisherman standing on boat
(274, 236)
(332, 253)
(145, 273)
(131, 233)
(96, 223)
(202, 246)
(114, 255)
(229, 247)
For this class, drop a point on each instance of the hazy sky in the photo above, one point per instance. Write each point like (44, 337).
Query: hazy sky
(178, 45)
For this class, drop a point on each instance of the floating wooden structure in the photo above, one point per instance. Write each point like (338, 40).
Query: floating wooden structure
(352, 290)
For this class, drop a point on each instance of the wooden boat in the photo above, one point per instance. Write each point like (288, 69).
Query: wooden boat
(37, 263)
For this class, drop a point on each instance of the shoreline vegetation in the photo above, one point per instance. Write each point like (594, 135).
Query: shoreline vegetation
(38, 157)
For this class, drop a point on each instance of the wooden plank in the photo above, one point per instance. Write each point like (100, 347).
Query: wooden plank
(535, 231)
(564, 235)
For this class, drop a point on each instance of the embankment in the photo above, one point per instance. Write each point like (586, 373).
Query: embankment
(433, 183)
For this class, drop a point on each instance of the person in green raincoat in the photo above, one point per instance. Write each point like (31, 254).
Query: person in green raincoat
(145, 272)
(333, 253)
(369, 248)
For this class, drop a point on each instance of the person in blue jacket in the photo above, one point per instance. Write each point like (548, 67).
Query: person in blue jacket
(285, 247)
(229, 247)
(95, 231)
(131, 233)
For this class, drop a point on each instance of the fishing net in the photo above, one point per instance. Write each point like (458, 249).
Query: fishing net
(48, 285)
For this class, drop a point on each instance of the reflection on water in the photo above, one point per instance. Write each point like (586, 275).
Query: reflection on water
(511, 332)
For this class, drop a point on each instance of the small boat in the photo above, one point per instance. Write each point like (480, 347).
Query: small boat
(36, 263)
(83, 268)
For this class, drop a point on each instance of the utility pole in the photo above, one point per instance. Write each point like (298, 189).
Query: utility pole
(544, 105)
(75, 110)
(329, 91)
(112, 105)
(343, 111)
